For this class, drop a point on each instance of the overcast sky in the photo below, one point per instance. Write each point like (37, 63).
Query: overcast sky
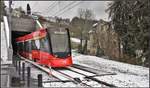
(56, 8)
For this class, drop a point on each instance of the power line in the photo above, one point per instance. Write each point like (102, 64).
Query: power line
(34, 5)
(64, 8)
(69, 8)
(50, 7)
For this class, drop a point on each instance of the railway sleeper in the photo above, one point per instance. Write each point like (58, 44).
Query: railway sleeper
(64, 81)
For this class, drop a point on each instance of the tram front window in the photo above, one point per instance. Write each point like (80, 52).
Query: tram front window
(59, 42)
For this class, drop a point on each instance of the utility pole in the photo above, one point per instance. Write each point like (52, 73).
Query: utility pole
(28, 9)
(10, 51)
(10, 2)
(59, 5)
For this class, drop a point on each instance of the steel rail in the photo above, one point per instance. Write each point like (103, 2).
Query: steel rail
(62, 75)
(92, 77)
(56, 74)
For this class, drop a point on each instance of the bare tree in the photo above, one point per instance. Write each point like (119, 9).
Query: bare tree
(86, 15)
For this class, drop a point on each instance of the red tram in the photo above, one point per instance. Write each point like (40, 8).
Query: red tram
(49, 47)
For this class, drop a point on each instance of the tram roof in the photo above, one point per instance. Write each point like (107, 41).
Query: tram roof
(32, 36)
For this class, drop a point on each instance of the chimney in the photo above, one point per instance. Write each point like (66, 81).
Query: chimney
(28, 9)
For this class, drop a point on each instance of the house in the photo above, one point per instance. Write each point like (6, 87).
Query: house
(103, 40)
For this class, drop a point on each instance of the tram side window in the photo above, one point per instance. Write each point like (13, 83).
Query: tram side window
(25, 47)
(44, 45)
(29, 45)
(37, 44)
(33, 46)
(21, 46)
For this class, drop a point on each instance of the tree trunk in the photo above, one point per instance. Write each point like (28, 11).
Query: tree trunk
(85, 47)
(147, 53)
(81, 42)
(119, 47)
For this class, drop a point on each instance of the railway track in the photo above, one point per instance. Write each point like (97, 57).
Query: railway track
(58, 75)
(87, 75)
(77, 74)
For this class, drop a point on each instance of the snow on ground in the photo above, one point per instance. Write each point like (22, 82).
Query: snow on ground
(75, 40)
(127, 75)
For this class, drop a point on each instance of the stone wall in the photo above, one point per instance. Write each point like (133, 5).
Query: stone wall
(23, 24)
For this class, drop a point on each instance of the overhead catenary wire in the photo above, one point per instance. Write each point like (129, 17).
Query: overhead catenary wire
(47, 9)
(35, 4)
(69, 8)
(64, 8)
(50, 6)
(34, 8)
